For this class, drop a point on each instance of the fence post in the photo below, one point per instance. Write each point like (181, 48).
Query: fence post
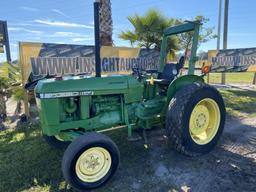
(254, 79)
(208, 77)
(223, 78)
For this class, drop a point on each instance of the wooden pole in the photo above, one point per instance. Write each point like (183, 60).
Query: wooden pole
(7, 43)
(225, 36)
(219, 25)
(23, 80)
(97, 38)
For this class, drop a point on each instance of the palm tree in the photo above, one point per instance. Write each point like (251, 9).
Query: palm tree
(148, 31)
(106, 23)
(18, 96)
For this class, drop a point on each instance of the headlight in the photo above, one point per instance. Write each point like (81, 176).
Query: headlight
(174, 72)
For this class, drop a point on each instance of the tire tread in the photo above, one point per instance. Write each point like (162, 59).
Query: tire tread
(175, 113)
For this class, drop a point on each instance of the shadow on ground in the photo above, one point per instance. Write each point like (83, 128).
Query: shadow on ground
(27, 163)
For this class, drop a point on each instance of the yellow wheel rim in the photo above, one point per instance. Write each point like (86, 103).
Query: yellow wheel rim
(58, 138)
(204, 121)
(93, 164)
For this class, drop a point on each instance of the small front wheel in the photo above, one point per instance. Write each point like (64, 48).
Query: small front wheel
(90, 161)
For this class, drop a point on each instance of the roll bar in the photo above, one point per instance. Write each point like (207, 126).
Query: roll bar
(183, 28)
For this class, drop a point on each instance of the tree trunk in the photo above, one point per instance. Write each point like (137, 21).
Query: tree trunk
(186, 53)
(18, 108)
(2, 104)
(187, 48)
(106, 23)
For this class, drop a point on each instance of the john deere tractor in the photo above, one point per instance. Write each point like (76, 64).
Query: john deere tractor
(75, 112)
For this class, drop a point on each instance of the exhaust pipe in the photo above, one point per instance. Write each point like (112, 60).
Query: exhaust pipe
(97, 37)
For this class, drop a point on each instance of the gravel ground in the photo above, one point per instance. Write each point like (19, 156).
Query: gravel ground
(231, 166)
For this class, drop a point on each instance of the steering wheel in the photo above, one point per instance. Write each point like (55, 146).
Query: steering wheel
(137, 72)
(181, 63)
(142, 73)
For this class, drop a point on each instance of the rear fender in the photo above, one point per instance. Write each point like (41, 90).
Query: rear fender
(180, 82)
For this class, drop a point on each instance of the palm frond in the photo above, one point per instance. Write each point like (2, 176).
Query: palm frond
(148, 30)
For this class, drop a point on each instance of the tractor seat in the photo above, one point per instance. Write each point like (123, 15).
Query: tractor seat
(170, 72)
(168, 75)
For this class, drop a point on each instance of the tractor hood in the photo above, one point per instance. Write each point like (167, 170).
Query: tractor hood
(79, 86)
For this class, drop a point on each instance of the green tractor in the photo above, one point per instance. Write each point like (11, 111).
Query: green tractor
(74, 113)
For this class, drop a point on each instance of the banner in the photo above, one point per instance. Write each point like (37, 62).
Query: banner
(39, 60)
(233, 60)
(86, 65)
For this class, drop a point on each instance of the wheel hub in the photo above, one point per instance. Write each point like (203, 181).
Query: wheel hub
(93, 164)
(204, 121)
(200, 119)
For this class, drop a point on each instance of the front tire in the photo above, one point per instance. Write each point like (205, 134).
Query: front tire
(56, 142)
(90, 161)
(195, 119)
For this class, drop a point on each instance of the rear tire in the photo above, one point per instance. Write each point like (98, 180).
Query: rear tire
(90, 161)
(195, 119)
(56, 142)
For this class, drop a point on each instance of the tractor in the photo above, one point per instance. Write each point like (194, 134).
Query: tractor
(76, 111)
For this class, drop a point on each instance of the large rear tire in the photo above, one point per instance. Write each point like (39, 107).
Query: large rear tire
(195, 119)
(90, 161)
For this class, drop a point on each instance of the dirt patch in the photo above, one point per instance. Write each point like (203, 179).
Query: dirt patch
(230, 167)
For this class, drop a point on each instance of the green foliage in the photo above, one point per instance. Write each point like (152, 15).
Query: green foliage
(10, 75)
(11, 72)
(148, 31)
(18, 93)
(205, 35)
(4, 83)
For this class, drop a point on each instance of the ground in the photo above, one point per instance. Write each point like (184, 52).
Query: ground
(27, 163)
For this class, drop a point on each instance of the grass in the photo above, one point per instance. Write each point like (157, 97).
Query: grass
(10, 71)
(28, 164)
(240, 103)
(243, 78)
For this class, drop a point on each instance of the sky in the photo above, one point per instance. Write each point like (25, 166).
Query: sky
(71, 21)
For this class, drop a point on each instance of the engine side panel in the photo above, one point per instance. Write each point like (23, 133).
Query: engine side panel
(89, 103)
